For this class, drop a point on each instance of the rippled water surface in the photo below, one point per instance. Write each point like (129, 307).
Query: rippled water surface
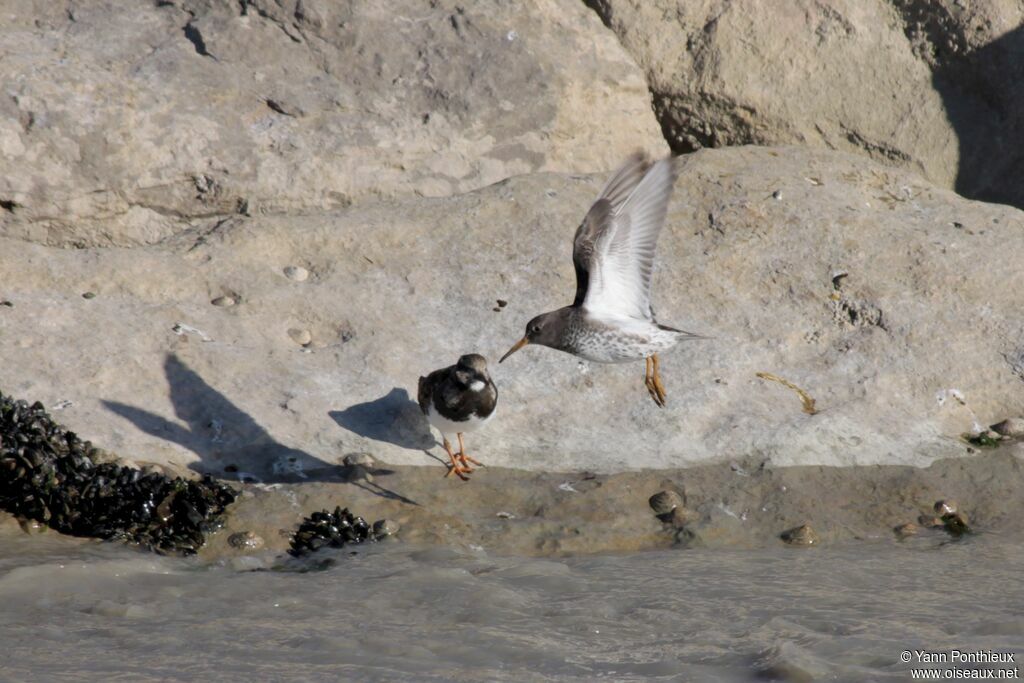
(394, 613)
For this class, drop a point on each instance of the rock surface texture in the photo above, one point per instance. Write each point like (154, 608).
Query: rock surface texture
(125, 127)
(234, 234)
(894, 304)
(935, 86)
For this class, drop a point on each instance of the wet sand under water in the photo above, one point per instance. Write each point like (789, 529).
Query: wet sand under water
(85, 610)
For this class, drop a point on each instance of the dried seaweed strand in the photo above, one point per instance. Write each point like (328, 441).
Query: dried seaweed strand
(805, 398)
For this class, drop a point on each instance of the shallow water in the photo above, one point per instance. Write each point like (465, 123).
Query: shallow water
(94, 611)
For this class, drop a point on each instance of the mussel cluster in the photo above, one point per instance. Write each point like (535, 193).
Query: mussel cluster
(329, 529)
(49, 475)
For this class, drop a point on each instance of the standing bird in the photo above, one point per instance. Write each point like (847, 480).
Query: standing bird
(456, 400)
(611, 320)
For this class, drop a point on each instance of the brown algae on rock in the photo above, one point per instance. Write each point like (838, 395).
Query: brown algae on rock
(985, 439)
(956, 524)
(953, 518)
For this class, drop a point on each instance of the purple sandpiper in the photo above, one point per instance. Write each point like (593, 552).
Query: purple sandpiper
(611, 320)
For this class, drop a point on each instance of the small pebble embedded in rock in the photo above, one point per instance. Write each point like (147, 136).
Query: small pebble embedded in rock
(800, 535)
(89, 295)
(678, 518)
(1011, 426)
(296, 273)
(358, 459)
(31, 526)
(223, 301)
(664, 502)
(908, 529)
(354, 473)
(245, 540)
(300, 337)
(383, 528)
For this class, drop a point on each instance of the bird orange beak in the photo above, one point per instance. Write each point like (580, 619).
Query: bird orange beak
(519, 344)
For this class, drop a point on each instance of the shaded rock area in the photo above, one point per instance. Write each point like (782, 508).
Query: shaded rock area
(891, 303)
(743, 504)
(125, 126)
(935, 86)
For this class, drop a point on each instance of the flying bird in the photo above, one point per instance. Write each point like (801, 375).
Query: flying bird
(611, 319)
(458, 399)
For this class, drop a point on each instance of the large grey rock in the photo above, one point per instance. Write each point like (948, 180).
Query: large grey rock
(123, 125)
(893, 303)
(935, 86)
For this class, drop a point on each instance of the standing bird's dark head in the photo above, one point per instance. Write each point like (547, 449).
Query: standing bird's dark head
(470, 369)
(547, 329)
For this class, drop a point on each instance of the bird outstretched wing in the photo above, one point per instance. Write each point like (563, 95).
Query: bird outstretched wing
(614, 247)
(612, 196)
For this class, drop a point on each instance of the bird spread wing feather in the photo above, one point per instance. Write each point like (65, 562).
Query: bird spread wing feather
(611, 198)
(614, 247)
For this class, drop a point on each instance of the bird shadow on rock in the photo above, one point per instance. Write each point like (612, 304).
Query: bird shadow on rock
(393, 418)
(228, 441)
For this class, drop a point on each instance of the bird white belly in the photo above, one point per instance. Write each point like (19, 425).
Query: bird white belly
(446, 426)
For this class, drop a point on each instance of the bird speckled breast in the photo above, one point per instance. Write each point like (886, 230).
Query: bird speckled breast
(605, 344)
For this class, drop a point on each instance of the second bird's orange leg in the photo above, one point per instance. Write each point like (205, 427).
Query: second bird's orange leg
(454, 467)
(462, 455)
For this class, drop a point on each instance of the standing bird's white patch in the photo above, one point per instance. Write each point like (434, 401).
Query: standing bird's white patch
(446, 426)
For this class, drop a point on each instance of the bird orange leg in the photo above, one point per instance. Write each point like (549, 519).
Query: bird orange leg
(463, 457)
(653, 381)
(454, 467)
(657, 381)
